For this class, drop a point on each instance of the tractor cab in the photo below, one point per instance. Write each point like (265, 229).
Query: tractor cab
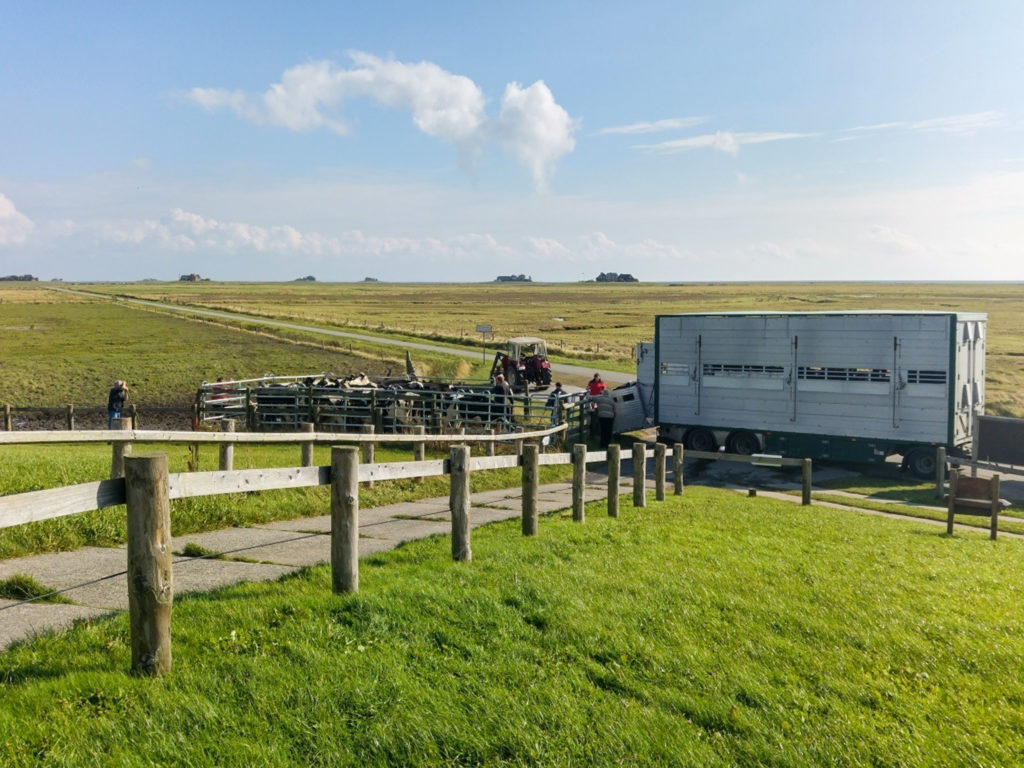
(524, 361)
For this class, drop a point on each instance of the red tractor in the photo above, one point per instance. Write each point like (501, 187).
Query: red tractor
(523, 362)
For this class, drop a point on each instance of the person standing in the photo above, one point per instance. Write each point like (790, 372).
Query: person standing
(116, 401)
(606, 416)
(555, 402)
(501, 398)
(594, 388)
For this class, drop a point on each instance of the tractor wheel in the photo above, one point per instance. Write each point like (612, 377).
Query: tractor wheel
(545, 377)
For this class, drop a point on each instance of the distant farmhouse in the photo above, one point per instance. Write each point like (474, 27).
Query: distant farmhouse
(513, 279)
(370, 280)
(306, 279)
(21, 278)
(193, 278)
(615, 277)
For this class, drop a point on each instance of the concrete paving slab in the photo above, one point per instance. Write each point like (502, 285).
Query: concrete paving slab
(322, 523)
(484, 515)
(61, 570)
(23, 622)
(501, 495)
(272, 546)
(404, 530)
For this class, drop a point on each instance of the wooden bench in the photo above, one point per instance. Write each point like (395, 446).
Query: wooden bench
(974, 496)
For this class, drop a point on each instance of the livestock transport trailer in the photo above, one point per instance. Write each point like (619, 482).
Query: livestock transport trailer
(845, 386)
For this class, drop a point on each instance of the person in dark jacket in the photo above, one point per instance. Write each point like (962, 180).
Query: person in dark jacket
(606, 416)
(116, 401)
(501, 398)
(555, 402)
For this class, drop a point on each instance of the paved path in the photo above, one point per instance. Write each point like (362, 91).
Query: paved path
(95, 576)
(611, 377)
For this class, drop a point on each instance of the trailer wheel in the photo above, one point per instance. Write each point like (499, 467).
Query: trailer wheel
(743, 442)
(701, 440)
(921, 463)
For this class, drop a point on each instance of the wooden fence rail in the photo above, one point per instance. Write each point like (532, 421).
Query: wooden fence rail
(147, 489)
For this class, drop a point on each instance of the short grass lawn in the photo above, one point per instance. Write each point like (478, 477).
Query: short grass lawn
(711, 629)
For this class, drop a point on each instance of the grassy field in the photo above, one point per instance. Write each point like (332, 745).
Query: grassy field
(602, 322)
(711, 629)
(58, 348)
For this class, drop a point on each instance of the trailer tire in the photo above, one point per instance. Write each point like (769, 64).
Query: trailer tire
(701, 439)
(921, 463)
(743, 442)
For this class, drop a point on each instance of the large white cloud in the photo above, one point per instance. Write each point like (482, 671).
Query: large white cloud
(14, 225)
(534, 128)
(446, 106)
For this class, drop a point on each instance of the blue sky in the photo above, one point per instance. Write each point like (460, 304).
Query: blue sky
(457, 141)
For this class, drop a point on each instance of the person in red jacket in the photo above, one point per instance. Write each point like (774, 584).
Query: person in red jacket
(595, 386)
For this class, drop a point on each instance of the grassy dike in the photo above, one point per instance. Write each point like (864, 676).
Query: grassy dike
(711, 629)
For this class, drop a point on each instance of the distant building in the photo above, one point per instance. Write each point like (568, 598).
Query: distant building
(370, 280)
(615, 277)
(306, 279)
(191, 278)
(513, 279)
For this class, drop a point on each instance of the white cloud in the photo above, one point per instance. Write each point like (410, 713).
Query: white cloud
(723, 141)
(443, 105)
(534, 128)
(549, 248)
(14, 225)
(892, 238)
(668, 124)
(968, 123)
(959, 124)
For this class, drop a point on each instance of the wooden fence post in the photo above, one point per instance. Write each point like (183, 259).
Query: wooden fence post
(531, 475)
(940, 471)
(71, 417)
(579, 472)
(227, 450)
(677, 469)
(639, 475)
(805, 497)
(369, 449)
(459, 498)
(419, 448)
(491, 444)
(8, 422)
(150, 578)
(306, 454)
(133, 414)
(659, 471)
(614, 473)
(344, 519)
(120, 448)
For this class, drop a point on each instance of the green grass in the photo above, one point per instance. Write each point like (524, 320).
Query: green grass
(907, 498)
(60, 349)
(708, 630)
(21, 586)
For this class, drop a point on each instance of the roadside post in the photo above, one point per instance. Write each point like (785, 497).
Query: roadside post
(484, 331)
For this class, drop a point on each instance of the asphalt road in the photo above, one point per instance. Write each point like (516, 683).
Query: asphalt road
(611, 377)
